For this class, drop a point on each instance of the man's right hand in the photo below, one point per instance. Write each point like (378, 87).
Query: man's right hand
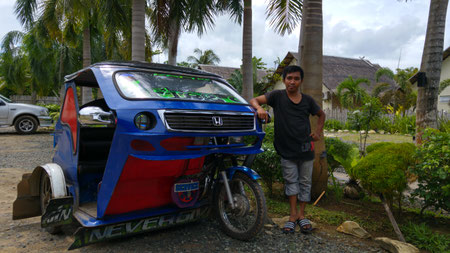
(262, 114)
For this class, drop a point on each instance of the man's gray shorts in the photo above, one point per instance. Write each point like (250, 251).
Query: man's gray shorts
(297, 177)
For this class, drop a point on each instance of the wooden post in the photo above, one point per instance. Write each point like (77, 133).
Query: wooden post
(392, 219)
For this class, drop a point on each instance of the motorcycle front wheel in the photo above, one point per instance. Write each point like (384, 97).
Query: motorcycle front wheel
(246, 219)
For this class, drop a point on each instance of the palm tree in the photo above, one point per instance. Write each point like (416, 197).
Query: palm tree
(138, 30)
(171, 17)
(402, 97)
(237, 8)
(247, 67)
(349, 92)
(208, 57)
(13, 63)
(426, 113)
(62, 21)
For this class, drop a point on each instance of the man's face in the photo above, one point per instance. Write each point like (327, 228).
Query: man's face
(292, 81)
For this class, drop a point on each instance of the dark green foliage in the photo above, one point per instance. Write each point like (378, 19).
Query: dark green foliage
(424, 238)
(53, 111)
(268, 166)
(270, 134)
(363, 118)
(377, 145)
(333, 124)
(339, 153)
(404, 124)
(444, 125)
(432, 170)
(383, 171)
(382, 124)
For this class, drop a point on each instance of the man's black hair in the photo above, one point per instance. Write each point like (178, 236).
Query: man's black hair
(291, 69)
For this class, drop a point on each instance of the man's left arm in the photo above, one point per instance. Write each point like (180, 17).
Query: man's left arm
(319, 128)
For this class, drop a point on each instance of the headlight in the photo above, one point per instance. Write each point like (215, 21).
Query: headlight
(144, 121)
(236, 139)
(43, 112)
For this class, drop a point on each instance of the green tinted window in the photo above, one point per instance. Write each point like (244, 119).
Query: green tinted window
(146, 85)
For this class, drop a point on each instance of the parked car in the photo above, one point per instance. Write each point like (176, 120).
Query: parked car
(160, 148)
(24, 117)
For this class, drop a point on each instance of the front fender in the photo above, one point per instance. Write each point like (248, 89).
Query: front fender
(27, 203)
(246, 170)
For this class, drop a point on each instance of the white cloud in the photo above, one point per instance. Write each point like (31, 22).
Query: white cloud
(376, 29)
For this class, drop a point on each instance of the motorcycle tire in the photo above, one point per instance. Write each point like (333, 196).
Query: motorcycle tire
(45, 195)
(246, 220)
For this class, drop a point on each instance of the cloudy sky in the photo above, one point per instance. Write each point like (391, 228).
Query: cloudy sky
(382, 31)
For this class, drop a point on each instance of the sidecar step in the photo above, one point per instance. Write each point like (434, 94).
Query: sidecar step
(89, 235)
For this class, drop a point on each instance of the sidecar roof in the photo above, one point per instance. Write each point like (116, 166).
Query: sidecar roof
(85, 77)
(101, 75)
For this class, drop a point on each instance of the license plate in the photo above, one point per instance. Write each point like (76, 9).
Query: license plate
(186, 187)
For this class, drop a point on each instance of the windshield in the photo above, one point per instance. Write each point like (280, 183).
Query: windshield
(5, 99)
(146, 85)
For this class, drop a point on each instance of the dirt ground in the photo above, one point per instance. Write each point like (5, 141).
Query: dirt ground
(20, 154)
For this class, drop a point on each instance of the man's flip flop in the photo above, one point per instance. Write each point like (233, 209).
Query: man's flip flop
(305, 226)
(289, 227)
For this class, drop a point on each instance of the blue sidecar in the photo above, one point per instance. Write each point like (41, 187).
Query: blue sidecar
(161, 145)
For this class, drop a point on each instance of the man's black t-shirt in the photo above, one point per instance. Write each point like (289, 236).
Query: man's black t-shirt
(292, 128)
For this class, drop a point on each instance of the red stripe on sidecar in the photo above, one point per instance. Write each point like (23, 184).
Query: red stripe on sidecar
(147, 184)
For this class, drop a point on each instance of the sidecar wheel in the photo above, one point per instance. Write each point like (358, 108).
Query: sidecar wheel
(45, 195)
(246, 220)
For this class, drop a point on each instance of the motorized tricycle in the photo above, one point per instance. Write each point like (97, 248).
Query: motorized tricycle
(157, 148)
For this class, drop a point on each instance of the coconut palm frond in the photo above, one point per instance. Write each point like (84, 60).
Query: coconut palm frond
(284, 15)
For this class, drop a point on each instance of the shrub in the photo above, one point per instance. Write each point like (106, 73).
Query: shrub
(422, 237)
(268, 166)
(339, 153)
(383, 171)
(433, 169)
(52, 107)
(53, 110)
(270, 135)
(444, 125)
(384, 123)
(333, 124)
(362, 119)
(404, 124)
(376, 146)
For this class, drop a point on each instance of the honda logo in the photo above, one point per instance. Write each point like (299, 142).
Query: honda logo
(217, 121)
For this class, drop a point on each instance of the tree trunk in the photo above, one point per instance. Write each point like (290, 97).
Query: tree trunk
(426, 113)
(247, 66)
(301, 43)
(392, 219)
(174, 35)
(311, 61)
(138, 30)
(60, 75)
(86, 92)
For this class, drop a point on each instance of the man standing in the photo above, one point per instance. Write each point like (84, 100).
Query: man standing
(294, 141)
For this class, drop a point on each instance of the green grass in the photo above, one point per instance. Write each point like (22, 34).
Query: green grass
(423, 237)
(335, 218)
(373, 138)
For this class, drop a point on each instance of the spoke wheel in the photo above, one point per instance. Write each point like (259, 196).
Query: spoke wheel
(246, 220)
(26, 125)
(46, 194)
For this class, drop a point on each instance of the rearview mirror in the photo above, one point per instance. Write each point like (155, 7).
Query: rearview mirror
(93, 115)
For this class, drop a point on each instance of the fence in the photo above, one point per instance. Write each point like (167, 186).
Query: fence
(341, 114)
(26, 99)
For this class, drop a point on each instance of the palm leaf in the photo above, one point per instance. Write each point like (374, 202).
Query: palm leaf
(284, 15)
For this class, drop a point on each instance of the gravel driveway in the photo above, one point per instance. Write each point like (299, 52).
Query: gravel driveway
(22, 153)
